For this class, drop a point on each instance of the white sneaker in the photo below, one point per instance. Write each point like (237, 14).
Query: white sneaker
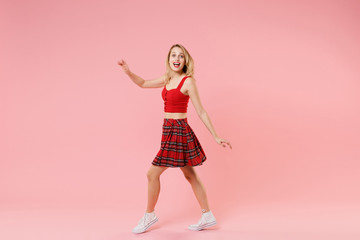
(207, 220)
(145, 222)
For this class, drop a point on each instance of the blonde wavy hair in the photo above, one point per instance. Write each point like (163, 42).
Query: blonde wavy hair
(188, 66)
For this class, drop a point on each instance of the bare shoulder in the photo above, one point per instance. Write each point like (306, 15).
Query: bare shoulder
(190, 82)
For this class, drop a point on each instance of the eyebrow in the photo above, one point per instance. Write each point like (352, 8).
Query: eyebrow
(175, 52)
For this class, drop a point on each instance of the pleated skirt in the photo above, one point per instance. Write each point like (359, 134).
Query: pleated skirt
(179, 145)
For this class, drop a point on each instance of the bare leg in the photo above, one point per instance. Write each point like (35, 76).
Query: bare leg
(153, 176)
(197, 186)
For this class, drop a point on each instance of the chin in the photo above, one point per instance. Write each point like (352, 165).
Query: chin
(177, 70)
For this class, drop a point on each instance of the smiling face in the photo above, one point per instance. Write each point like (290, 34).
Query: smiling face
(177, 59)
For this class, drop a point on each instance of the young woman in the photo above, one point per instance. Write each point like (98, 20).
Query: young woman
(179, 145)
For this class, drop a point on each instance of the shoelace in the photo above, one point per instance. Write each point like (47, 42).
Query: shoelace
(144, 219)
(202, 220)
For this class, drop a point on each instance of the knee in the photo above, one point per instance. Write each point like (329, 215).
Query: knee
(151, 176)
(190, 177)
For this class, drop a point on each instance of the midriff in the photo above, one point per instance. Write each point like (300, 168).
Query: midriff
(175, 115)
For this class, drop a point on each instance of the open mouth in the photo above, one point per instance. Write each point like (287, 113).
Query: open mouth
(176, 64)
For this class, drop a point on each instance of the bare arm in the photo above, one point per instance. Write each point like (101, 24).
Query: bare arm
(195, 99)
(154, 83)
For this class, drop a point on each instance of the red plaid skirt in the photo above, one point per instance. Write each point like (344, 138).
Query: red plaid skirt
(179, 145)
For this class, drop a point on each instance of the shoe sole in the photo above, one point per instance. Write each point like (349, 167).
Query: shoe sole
(203, 226)
(146, 227)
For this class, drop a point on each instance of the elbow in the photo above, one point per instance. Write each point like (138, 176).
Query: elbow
(202, 113)
(142, 85)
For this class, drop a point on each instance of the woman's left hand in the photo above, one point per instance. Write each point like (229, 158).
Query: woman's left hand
(223, 142)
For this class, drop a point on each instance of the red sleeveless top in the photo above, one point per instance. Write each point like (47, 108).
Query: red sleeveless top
(174, 99)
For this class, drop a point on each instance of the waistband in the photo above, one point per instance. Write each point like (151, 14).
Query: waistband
(172, 120)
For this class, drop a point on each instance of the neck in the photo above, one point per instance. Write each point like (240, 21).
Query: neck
(178, 74)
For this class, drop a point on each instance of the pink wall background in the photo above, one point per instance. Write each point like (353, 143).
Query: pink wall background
(279, 79)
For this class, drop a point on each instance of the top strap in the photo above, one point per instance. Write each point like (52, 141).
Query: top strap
(182, 82)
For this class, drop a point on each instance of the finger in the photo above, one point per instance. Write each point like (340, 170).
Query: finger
(224, 141)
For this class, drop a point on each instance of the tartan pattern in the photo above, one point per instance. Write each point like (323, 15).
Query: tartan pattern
(179, 145)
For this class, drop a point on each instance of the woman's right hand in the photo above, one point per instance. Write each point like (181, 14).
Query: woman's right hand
(124, 66)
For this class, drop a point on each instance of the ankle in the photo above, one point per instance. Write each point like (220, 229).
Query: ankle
(205, 210)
